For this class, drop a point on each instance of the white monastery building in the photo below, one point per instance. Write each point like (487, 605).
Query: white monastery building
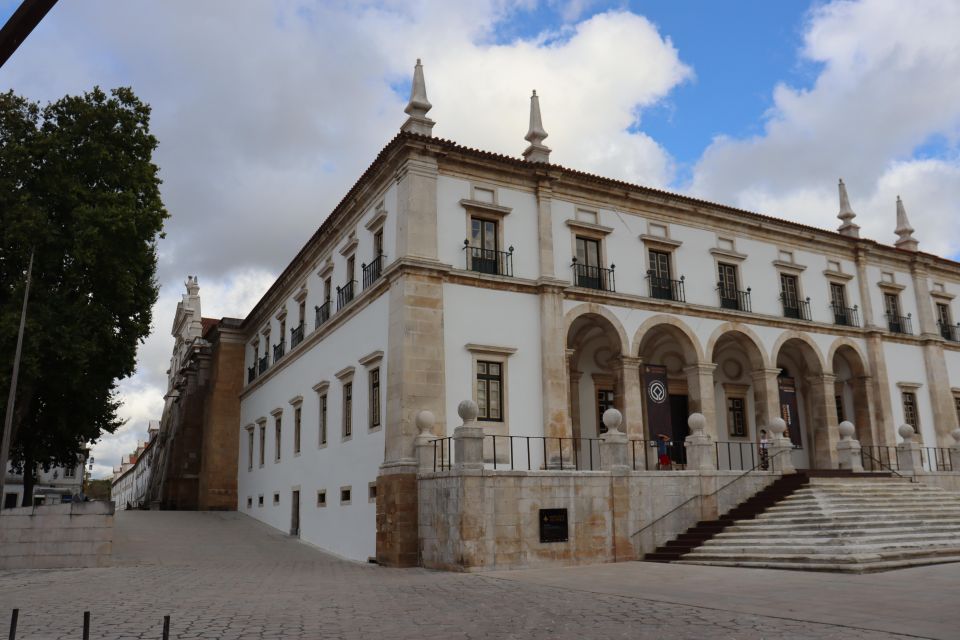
(547, 296)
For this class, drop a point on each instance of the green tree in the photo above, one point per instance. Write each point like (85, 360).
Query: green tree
(77, 186)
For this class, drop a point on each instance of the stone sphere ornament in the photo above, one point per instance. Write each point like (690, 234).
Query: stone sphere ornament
(612, 419)
(846, 429)
(777, 427)
(697, 423)
(425, 421)
(956, 435)
(468, 411)
(906, 432)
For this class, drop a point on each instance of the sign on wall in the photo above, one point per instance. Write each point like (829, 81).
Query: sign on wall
(553, 525)
(788, 409)
(657, 400)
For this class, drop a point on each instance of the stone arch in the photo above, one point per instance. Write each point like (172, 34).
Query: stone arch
(745, 333)
(591, 308)
(847, 342)
(852, 388)
(675, 327)
(812, 354)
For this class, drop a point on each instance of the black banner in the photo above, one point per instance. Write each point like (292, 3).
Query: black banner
(657, 401)
(788, 410)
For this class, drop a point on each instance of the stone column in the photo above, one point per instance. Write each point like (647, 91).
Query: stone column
(613, 446)
(882, 407)
(699, 445)
(780, 447)
(553, 363)
(848, 449)
(424, 444)
(630, 393)
(545, 227)
(766, 395)
(468, 438)
(909, 452)
(575, 403)
(824, 419)
(955, 450)
(700, 388)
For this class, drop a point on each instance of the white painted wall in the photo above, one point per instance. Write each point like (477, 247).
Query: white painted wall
(905, 364)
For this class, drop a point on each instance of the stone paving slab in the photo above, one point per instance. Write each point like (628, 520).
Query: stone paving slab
(223, 575)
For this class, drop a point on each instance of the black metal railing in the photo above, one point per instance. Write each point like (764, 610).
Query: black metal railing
(899, 324)
(879, 458)
(263, 364)
(845, 316)
(950, 332)
(296, 335)
(600, 278)
(278, 350)
(735, 299)
(657, 455)
(345, 295)
(498, 263)
(740, 456)
(373, 271)
(666, 289)
(935, 459)
(322, 314)
(795, 308)
(527, 453)
(251, 373)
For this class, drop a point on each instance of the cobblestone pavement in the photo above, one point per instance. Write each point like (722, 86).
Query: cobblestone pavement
(226, 576)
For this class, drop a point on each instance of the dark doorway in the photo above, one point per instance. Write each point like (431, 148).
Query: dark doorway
(679, 411)
(10, 501)
(295, 514)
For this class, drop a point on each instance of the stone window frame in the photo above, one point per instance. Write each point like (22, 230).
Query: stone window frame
(262, 423)
(372, 492)
(321, 498)
(255, 345)
(259, 500)
(323, 405)
(730, 256)
(346, 490)
(276, 498)
(297, 403)
(277, 433)
(653, 241)
(345, 376)
(499, 354)
(910, 389)
(249, 502)
(590, 231)
(490, 212)
(956, 400)
(372, 362)
(739, 391)
(251, 445)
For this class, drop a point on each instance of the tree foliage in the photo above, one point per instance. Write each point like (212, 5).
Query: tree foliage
(78, 187)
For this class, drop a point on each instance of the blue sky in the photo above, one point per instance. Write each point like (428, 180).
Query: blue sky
(267, 112)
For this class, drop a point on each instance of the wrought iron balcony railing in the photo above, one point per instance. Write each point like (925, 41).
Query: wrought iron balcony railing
(666, 289)
(846, 316)
(322, 314)
(278, 350)
(795, 308)
(950, 332)
(498, 263)
(251, 373)
(345, 294)
(735, 299)
(373, 271)
(899, 324)
(591, 277)
(296, 336)
(263, 364)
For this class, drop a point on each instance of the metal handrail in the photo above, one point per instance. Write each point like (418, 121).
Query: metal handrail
(666, 289)
(710, 495)
(345, 294)
(591, 277)
(372, 271)
(900, 324)
(794, 307)
(322, 313)
(736, 299)
(296, 335)
(888, 467)
(490, 261)
(949, 332)
(846, 316)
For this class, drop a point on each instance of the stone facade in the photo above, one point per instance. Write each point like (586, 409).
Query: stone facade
(79, 534)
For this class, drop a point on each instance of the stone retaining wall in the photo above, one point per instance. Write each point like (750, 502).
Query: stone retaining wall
(471, 520)
(78, 534)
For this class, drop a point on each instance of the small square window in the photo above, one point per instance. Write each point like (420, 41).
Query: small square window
(249, 502)
(260, 500)
(322, 498)
(345, 495)
(276, 498)
(372, 492)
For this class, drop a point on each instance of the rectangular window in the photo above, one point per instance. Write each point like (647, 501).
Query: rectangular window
(789, 293)
(588, 252)
(728, 285)
(302, 312)
(351, 268)
(483, 256)
(947, 330)
(490, 391)
(347, 409)
(736, 417)
(276, 499)
(321, 498)
(327, 289)
(838, 296)
(263, 443)
(891, 306)
(910, 410)
(277, 424)
(323, 420)
(372, 492)
(249, 502)
(69, 472)
(260, 501)
(249, 449)
(956, 405)
(605, 399)
(374, 398)
(378, 244)
(296, 429)
(839, 402)
(659, 275)
(345, 495)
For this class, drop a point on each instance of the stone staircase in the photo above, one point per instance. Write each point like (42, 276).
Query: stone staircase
(848, 523)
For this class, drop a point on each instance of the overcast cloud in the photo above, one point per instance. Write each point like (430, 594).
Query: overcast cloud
(268, 111)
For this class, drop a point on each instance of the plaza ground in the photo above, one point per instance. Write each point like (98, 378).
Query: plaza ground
(223, 575)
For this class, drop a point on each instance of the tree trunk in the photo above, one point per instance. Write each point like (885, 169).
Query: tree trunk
(29, 479)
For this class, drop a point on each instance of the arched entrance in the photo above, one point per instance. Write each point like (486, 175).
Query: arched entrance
(807, 404)
(594, 354)
(741, 398)
(851, 392)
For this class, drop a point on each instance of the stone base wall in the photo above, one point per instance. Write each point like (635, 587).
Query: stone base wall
(485, 519)
(397, 520)
(948, 480)
(78, 534)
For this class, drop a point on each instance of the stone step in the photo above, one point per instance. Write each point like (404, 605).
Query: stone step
(867, 516)
(861, 567)
(771, 528)
(808, 550)
(823, 510)
(826, 558)
(832, 538)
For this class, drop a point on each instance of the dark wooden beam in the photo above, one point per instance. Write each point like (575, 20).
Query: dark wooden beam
(27, 16)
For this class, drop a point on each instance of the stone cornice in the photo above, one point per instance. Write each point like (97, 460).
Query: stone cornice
(486, 208)
(589, 227)
(837, 275)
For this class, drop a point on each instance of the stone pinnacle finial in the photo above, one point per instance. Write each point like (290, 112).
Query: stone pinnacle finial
(193, 286)
(904, 231)
(417, 108)
(537, 151)
(848, 228)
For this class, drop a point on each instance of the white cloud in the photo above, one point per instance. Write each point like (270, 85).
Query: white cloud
(887, 86)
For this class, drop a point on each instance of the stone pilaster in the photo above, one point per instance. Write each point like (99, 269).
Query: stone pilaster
(417, 208)
(823, 422)
(766, 394)
(553, 364)
(882, 418)
(700, 389)
(545, 227)
(780, 448)
(699, 445)
(630, 395)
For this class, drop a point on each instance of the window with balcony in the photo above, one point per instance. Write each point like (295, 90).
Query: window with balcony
(482, 249)
(296, 334)
(842, 314)
(896, 322)
(948, 330)
(346, 292)
(660, 279)
(323, 310)
(728, 286)
(373, 271)
(793, 306)
(588, 270)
